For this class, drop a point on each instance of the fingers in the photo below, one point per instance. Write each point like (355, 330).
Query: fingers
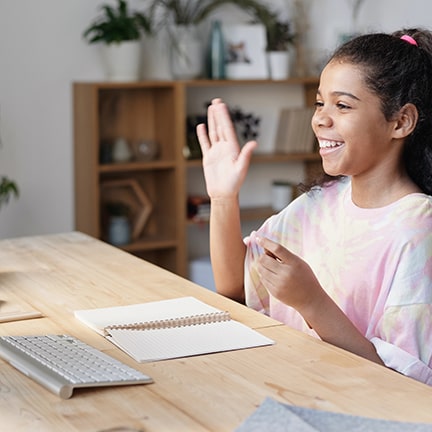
(221, 127)
(247, 151)
(203, 138)
(274, 250)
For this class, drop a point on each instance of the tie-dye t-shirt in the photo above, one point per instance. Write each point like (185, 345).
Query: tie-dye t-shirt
(376, 264)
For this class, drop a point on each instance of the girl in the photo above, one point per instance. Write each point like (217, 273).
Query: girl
(350, 260)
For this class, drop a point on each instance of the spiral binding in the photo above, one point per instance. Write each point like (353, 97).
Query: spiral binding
(192, 320)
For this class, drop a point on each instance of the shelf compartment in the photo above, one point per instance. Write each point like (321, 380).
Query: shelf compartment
(138, 113)
(130, 193)
(155, 189)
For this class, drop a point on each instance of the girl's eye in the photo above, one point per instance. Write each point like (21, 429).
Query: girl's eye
(341, 105)
(318, 104)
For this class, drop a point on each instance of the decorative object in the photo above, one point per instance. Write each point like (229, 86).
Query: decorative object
(247, 125)
(8, 188)
(145, 150)
(120, 31)
(279, 64)
(193, 149)
(186, 52)
(122, 61)
(181, 18)
(246, 44)
(130, 193)
(119, 225)
(190, 14)
(216, 52)
(282, 194)
(280, 38)
(121, 151)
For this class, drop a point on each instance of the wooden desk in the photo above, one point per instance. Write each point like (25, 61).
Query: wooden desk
(61, 273)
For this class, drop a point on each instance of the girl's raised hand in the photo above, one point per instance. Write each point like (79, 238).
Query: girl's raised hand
(225, 164)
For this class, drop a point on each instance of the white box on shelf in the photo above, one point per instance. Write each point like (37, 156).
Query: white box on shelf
(201, 273)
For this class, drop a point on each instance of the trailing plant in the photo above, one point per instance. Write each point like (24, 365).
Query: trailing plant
(118, 25)
(8, 188)
(186, 12)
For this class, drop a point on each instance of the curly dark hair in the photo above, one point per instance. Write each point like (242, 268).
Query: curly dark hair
(398, 72)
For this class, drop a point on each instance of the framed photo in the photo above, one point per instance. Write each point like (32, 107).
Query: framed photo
(245, 51)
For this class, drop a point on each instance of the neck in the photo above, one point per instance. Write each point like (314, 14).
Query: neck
(379, 192)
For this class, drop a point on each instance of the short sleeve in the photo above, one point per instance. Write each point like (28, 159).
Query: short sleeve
(404, 340)
(402, 362)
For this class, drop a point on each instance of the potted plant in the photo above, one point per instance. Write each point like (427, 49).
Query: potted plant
(280, 38)
(120, 31)
(8, 188)
(181, 18)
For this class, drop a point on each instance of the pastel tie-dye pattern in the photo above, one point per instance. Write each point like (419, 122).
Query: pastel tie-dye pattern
(376, 264)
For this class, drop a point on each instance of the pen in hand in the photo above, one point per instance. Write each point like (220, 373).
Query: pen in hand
(272, 255)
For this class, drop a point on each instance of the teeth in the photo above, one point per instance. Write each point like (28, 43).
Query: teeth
(329, 144)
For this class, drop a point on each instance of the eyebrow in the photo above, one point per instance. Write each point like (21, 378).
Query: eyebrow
(341, 93)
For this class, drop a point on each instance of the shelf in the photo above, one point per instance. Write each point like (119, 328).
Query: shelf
(246, 214)
(244, 82)
(266, 158)
(136, 166)
(152, 243)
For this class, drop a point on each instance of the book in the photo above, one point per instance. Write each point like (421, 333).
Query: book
(173, 328)
(294, 133)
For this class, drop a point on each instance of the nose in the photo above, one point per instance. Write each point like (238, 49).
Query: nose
(321, 118)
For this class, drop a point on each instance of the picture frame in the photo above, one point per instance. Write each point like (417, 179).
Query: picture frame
(245, 51)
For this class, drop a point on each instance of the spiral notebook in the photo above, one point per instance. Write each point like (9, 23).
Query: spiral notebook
(174, 328)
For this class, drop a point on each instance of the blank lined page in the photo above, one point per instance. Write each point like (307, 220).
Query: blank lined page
(160, 344)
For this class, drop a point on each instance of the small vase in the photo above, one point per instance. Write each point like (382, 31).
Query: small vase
(119, 230)
(121, 151)
(216, 53)
(279, 64)
(186, 53)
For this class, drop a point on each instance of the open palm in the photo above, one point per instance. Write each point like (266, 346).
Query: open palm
(225, 164)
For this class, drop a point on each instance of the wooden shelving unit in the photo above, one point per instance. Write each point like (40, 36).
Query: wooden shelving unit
(150, 110)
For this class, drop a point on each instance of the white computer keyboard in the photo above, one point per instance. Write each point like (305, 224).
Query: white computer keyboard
(62, 363)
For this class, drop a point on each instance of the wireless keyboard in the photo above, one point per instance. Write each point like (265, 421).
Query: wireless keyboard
(62, 363)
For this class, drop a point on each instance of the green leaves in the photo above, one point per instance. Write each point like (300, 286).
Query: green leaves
(118, 25)
(7, 189)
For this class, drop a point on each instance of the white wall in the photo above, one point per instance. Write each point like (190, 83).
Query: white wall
(42, 53)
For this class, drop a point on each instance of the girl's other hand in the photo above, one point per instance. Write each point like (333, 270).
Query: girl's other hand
(287, 277)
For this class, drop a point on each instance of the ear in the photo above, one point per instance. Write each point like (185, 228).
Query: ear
(405, 121)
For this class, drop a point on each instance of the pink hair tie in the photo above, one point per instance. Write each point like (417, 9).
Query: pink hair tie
(409, 39)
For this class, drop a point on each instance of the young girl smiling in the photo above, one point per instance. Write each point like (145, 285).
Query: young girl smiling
(350, 260)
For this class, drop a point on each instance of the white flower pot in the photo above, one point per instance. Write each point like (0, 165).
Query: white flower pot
(279, 64)
(122, 61)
